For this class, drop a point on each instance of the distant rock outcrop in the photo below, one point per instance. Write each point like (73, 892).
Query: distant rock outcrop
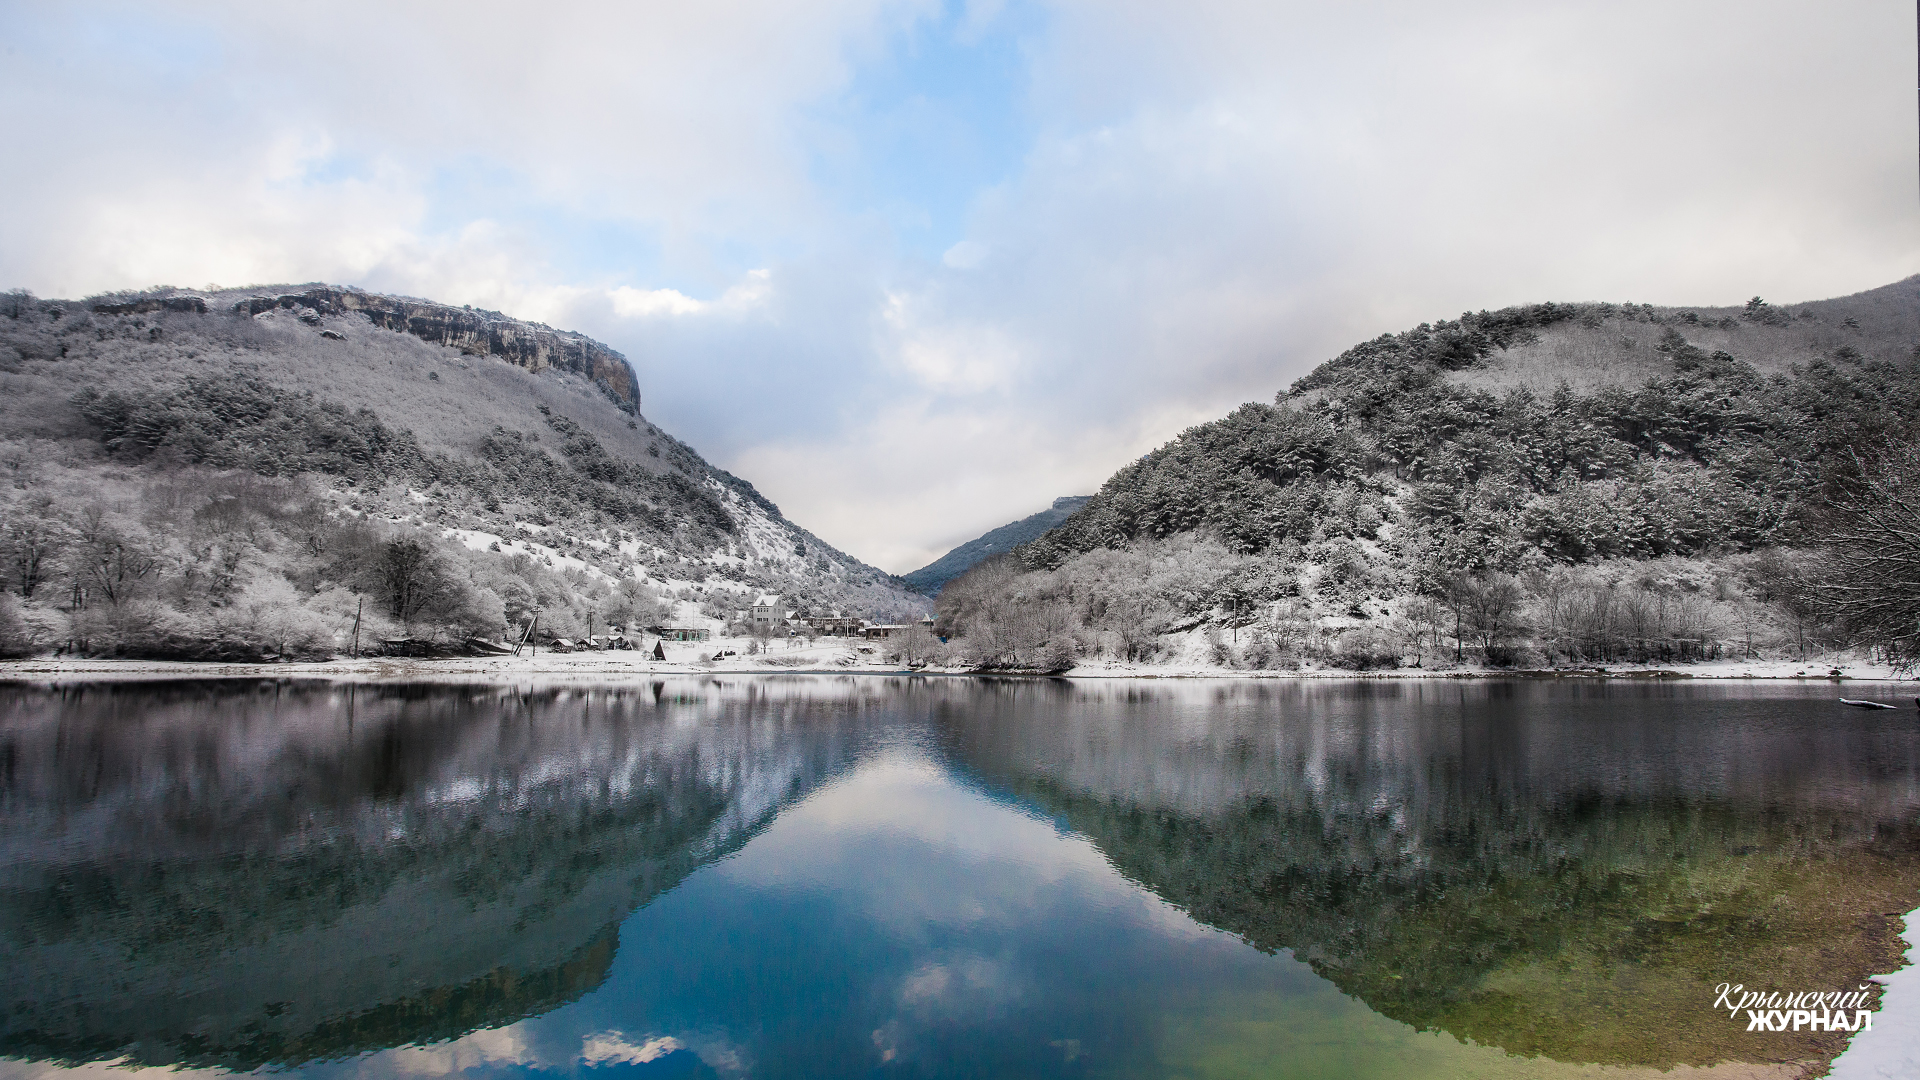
(534, 346)
(933, 577)
(147, 305)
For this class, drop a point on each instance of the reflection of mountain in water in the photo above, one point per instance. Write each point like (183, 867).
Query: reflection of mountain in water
(249, 874)
(244, 874)
(1506, 864)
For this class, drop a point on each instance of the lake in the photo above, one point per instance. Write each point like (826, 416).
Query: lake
(813, 876)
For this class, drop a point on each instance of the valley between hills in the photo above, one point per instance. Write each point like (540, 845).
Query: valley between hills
(303, 474)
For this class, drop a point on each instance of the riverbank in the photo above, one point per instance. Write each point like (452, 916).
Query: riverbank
(839, 660)
(1891, 1048)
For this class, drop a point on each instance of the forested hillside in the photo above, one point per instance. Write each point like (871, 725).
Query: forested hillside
(1543, 484)
(242, 474)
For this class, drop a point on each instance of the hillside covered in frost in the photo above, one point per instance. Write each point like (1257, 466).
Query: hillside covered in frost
(239, 474)
(1552, 483)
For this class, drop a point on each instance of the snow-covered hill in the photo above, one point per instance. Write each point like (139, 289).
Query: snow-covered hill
(259, 453)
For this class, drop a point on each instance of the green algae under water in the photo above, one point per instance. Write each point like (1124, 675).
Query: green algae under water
(817, 876)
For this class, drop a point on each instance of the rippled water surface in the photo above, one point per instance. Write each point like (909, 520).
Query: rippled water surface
(821, 877)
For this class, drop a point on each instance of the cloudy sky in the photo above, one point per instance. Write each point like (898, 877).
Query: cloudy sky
(915, 267)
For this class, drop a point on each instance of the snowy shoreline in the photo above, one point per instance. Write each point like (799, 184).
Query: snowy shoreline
(599, 665)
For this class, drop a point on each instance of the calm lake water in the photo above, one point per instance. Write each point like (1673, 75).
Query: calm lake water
(827, 877)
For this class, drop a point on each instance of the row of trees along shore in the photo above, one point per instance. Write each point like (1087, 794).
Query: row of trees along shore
(191, 563)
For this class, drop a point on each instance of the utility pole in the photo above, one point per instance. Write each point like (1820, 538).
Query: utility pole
(358, 609)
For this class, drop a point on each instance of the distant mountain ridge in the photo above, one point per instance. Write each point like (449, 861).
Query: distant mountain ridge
(933, 577)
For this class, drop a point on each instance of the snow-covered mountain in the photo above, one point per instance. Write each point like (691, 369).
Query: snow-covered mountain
(258, 454)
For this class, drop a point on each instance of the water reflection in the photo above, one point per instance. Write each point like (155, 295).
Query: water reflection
(940, 877)
(242, 874)
(1553, 869)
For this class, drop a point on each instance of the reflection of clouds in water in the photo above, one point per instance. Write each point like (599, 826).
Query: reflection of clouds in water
(923, 857)
(956, 990)
(958, 984)
(510, 1046)
(902, 795)
(915, 850)
(916, 830)
(612, 1048)
(488, 1046)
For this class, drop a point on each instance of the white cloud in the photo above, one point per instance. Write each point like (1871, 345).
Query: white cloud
(962, 358)
(1214, 196)
(632, 303)
(965, 255)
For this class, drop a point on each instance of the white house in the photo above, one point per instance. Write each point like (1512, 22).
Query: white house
(767, 615)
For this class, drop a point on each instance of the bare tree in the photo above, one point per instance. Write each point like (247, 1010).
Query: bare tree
(31, 540)
(1871, 581)
(1427, 620)
(110, 561)
(916, 645)
(1492, 615)
(1456, 593)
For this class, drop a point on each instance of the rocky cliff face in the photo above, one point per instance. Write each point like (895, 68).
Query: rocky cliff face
(534, 346)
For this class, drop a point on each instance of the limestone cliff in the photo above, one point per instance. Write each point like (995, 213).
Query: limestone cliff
(475, 332)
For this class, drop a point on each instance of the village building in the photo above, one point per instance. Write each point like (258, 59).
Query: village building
(680, 633)
(768, 616)
(887, 630)
(836, 625)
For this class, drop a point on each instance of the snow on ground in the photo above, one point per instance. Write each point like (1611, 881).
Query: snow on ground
(789, 657)
(1848, 668)
(475, 540)
(1865, 680)
(1890, 1049)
